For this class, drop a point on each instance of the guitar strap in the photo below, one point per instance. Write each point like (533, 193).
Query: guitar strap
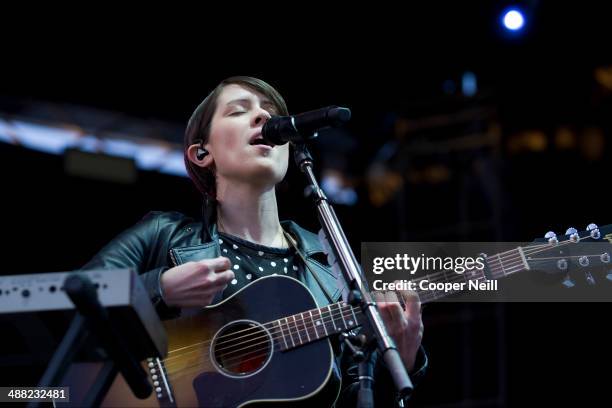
(293, 243)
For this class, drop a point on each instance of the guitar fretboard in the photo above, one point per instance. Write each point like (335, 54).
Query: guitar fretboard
(498, 266)
(302, 328)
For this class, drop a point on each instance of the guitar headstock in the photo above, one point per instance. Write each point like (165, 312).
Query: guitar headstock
(573, 254)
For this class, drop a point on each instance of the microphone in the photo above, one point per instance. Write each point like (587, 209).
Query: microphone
(303, 126)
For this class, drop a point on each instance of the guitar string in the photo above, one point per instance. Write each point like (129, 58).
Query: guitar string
(497, 271)
(267, 337)
(239, 359)
(340, 308)
(515, 261)
(504, 270)
(566, 257)
(177, 372)
(235, 361)
(302, 326)
(561, 243)
(530, 253)
(264, 336)
(331, 317)
(499, 256)
(344, 312)
(510, 261)
(431, 294)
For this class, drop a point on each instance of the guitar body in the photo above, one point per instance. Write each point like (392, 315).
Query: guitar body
(254, 371)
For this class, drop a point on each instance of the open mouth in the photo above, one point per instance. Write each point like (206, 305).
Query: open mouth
(260, 141)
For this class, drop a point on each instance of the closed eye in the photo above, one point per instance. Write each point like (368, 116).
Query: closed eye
(236, 113)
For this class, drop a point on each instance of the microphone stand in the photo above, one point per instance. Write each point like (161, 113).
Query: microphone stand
(353, 274)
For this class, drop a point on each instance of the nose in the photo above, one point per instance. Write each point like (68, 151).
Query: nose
(261, 118)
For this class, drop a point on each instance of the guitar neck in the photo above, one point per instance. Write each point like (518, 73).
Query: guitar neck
(311, 325)
(497, 266)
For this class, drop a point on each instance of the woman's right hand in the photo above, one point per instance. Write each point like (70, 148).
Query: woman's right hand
(196, 283)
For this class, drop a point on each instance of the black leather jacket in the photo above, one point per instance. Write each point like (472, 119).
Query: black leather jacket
(162, 240)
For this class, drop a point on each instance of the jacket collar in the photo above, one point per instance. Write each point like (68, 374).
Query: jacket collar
(308, 242)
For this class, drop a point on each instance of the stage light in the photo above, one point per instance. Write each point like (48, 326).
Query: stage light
(469, 85)
(513, 19)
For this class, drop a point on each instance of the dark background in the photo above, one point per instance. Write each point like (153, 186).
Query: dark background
(385, 65)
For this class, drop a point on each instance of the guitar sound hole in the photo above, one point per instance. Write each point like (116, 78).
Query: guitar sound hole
(241, 348)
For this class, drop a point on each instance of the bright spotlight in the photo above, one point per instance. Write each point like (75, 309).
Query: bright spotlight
(513, 20)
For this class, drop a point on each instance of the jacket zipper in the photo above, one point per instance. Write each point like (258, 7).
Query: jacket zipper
(172, 258)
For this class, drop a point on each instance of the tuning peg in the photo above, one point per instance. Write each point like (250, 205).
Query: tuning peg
(551, 237)
(573, 234)
(562, 264)
(593, 229)
(605, 257)
(590, 279)
(583, 261)
(568, 282)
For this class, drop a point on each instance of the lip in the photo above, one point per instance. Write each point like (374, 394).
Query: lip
(257, 135)
(263, 147)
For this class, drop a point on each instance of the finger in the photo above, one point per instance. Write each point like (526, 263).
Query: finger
(220, 263)
(392, 314)
(384, 312)
(410, 296)
(406, 295)
(223, 277)
(384, 299)
(413, 307)
(410, 301)
(396, 298)
(224, 263)
(396, 313)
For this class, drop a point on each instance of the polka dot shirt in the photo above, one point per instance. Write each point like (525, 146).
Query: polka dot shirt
(251, 261)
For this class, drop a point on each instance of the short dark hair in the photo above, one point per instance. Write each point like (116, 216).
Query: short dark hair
(198, 127)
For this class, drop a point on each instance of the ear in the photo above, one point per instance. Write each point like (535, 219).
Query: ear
(192, 152)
